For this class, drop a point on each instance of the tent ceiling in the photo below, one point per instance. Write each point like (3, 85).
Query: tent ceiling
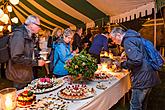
(72, 13)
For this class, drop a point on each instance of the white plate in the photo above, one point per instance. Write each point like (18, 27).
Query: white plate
(57, 83)
(43, 52)
(47, 61)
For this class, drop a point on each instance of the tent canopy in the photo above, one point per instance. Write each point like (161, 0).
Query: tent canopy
(89, 13)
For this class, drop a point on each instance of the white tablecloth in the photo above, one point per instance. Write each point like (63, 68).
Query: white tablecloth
(104, 99)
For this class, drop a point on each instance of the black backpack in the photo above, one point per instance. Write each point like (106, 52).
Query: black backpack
(4, 49)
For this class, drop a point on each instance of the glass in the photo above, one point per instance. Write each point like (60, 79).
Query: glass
(8, 99)
(37, 24)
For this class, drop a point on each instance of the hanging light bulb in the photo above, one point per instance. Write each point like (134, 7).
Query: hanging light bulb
(1, 13)
(5, 18)
(14, 20)
(9, 28)
(14, 2)
(9, 8)
(1, 28)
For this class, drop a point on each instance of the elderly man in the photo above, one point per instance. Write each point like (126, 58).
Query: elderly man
(143, 76)
(19, 69)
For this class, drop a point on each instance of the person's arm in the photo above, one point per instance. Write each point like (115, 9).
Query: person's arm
(134, 55)
(63, 53)
(105, 44)
(17, 48)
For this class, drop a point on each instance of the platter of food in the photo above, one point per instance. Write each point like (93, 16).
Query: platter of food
(43, 85)
(76, 92)
(101, 86)
(101, 76)
(49, 103)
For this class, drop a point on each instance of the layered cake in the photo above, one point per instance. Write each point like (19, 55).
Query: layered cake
(25, 98)
(76, 92)
(44, 83)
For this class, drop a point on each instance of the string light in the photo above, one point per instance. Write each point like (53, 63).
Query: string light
(5, 10)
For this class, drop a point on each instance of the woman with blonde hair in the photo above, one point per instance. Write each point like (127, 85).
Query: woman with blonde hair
(57, 33)
(43, 40)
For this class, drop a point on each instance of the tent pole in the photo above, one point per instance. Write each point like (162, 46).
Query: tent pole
(155, 24)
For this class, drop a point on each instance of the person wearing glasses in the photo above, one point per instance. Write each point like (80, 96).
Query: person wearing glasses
(19, 69)
(143, 76)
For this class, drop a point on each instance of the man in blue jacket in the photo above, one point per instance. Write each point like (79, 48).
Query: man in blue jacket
(143, 76)
(99, 43)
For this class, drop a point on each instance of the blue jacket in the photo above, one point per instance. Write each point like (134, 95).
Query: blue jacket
(100, 42)
(61, 55)
(142, 74)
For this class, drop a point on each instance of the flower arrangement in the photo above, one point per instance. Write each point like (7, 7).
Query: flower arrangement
(81, 65)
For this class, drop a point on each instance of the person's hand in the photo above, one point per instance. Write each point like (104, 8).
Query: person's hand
(41, 62)
(117, 63)
(123, 56)
(77, 50)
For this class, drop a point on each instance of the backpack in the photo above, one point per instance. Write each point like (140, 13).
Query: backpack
(4, 49)
(153, 56)
(51, 58)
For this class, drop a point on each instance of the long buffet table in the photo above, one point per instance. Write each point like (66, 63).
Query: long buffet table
(104, 99)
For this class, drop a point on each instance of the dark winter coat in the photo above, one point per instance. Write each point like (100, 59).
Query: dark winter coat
(77, 42)
(99, 43)
(142, 74)
(20, 64)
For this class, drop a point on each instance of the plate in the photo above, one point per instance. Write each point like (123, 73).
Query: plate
(57, 83)
(43, 52)
(91, 92)
(101, 86)
(100, 80)
(47, 61)
(50, 103)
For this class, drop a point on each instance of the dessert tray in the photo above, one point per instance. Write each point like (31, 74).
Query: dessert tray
(50, 103)
(101, 76)
(76, 92)
(43, 85)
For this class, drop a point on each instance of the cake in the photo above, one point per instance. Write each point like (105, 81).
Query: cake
(44, 83)
(76, 92)
(25, 98)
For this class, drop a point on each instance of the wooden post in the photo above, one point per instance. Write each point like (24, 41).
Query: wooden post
(155, 24)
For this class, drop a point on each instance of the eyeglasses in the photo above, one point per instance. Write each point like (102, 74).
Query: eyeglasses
(37, 24)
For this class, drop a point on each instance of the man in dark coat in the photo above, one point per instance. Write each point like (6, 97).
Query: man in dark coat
(100, 43)
(77, 41)
(19, 69)
(143, 76)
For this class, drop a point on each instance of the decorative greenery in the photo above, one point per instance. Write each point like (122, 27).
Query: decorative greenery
(81, 65)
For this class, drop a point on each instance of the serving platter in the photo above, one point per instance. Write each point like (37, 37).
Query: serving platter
(56, 83)
(74, 92)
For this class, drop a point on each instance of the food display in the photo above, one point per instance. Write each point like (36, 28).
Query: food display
(101, 76)
(76, 92)
(43, 85)
(101, 86)
(49, 103)
(26, 98)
